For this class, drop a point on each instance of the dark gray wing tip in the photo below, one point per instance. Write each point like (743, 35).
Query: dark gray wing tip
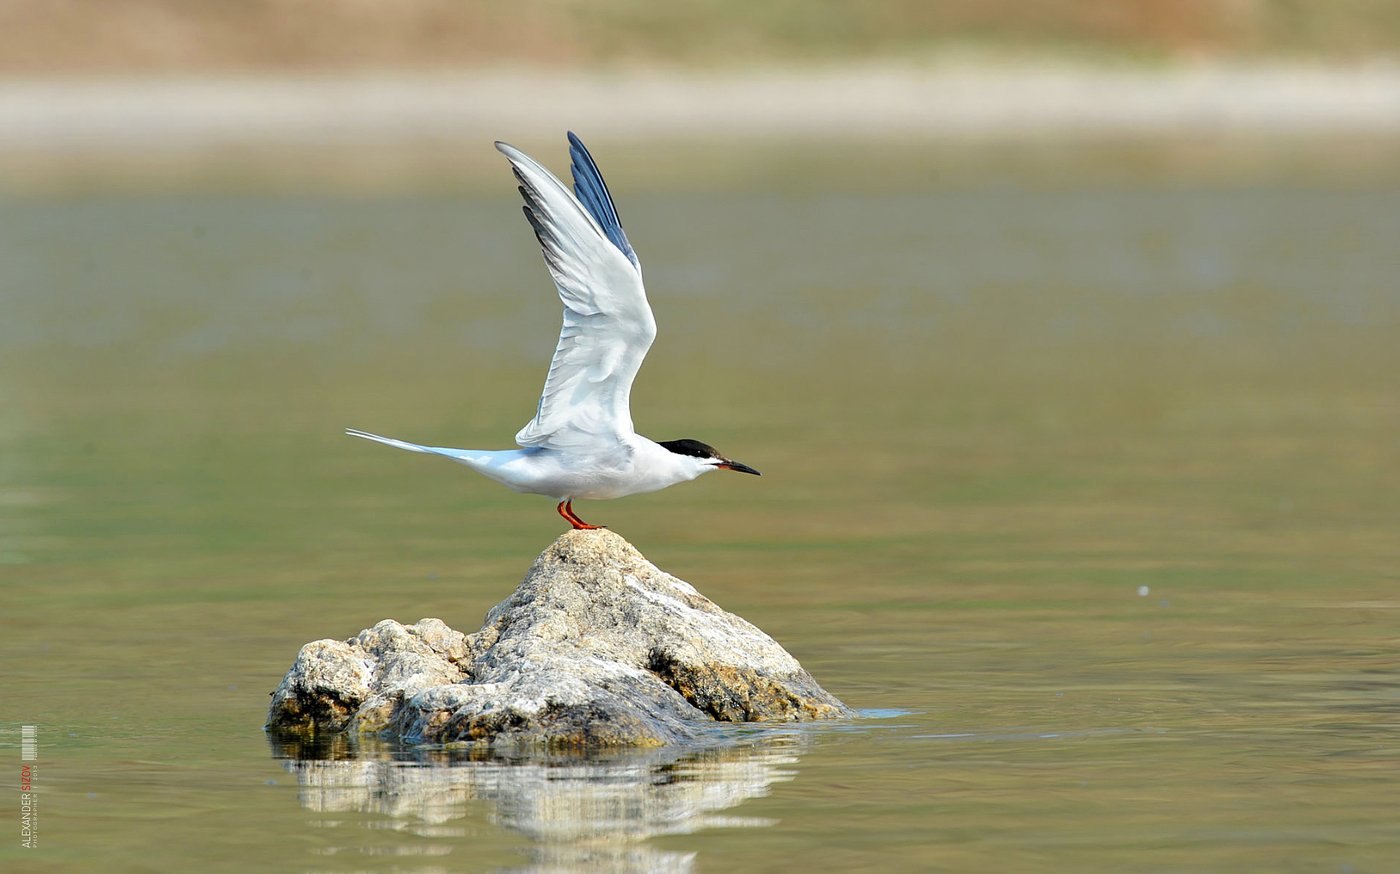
(592, 192)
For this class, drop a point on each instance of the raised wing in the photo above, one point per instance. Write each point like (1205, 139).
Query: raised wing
(608, 325)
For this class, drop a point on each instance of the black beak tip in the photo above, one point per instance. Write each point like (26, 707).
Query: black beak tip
(740, 467)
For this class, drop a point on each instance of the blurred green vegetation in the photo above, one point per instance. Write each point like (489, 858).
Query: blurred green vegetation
(262, 35)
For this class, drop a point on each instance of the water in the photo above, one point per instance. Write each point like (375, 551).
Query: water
(1085, 494)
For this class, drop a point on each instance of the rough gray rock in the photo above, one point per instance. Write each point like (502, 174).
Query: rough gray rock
(597, 647)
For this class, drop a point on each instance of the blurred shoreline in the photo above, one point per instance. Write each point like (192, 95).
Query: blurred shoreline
(54, 130)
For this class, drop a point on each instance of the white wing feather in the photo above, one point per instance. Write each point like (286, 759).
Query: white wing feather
(608, 324)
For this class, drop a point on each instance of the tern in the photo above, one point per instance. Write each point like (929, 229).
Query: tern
(581, 443)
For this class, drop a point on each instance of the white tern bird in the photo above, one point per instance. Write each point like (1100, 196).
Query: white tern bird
(580, 444)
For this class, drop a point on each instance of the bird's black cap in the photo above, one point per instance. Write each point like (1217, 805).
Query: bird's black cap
(696, 449)
(692, 448)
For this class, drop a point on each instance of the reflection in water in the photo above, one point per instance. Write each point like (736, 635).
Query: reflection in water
(581, 812)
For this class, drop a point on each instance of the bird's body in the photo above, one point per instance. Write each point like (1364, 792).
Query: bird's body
(633, 468)
(581, 443)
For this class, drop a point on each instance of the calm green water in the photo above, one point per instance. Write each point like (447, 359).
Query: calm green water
(1088, 496)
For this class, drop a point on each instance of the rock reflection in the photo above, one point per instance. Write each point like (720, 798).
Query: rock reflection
(581, 812)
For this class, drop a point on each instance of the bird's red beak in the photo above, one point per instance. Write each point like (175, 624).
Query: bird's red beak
(740, 467)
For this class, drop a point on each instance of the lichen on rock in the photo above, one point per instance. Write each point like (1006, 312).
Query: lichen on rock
(596, 647)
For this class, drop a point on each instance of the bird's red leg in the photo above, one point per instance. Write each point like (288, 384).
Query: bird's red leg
(566, 509)
(568, 516)
(576, 521)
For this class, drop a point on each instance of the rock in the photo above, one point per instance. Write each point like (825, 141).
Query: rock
(597, 647)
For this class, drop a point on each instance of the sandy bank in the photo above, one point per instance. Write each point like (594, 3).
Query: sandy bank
(851, 103)
(392, 132)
